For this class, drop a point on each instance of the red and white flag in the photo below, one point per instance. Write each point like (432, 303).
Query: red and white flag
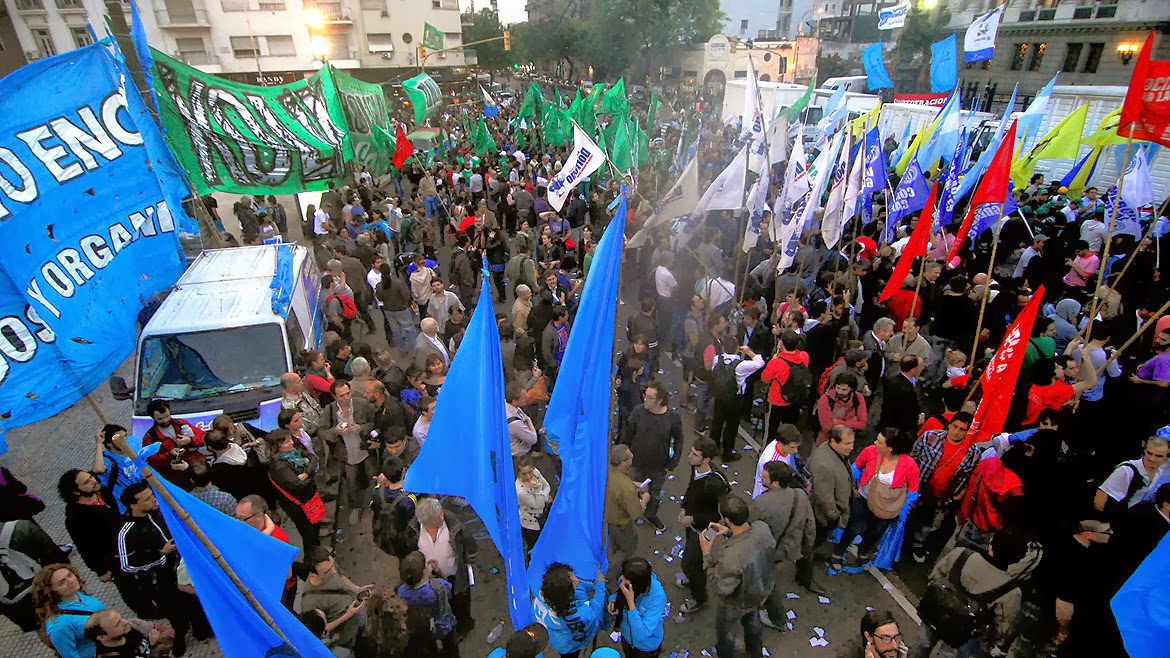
(915, 248)
(999, 380)
(988, 199)
(1146, 110)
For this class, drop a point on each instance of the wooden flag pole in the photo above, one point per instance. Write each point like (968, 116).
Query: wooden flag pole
(120, 445)
(1109, 238)
(983, 298)
(1137, 334)
(1137, 248)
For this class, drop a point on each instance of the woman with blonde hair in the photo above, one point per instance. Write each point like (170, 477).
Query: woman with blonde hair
(62, 608)
(385, 634)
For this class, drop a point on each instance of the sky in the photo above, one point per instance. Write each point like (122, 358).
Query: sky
(511, 11)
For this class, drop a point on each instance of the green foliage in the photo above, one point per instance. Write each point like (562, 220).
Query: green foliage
(832, 66)
(922, 29)
(486, 25)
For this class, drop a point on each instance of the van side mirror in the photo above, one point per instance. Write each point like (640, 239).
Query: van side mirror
(119, 389)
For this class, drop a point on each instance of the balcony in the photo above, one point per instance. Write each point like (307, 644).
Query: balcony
(70, 6)
(183, 18)
(334, 13)
(24, 6)
(272, 6)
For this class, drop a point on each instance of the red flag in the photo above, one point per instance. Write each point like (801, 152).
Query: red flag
(915, 248)
(999, 380)
(1146, 110)
(403, 149)
(992, 189)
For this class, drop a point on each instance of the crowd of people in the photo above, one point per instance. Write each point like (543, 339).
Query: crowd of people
(862, 408)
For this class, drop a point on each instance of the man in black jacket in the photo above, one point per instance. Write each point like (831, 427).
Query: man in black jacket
(900, 407)
(654, 434)
(700, 508)
(91, 520)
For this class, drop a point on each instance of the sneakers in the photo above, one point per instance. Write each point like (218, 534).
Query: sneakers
(656, 522)
(919, 553)
(690, 606)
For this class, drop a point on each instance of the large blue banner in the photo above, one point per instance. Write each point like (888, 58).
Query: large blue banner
(89, 219)
(944, 65)
(875, 68)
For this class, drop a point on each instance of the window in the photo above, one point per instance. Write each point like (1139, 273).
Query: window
(244, 47)
(234, 5)
(1037, 56)
(743, 26)
(1094, 57)
(380, 43)
(406, 38)
(1071, 57)
(374, 5)
(281, 46)
(1020, 55)
(44, 41)
(196, 365)
(767, 57)
(81, 36)
(271, 5)
(741, 75)
(296, 337)
(191, 50)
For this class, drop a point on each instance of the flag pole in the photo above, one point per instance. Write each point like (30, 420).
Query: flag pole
(1137, 248)
(1109, 237)
(1137, 334)
(983, 298)
(148, 474)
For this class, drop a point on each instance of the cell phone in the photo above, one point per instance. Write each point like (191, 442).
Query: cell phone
(645, 483)
(709, 534)
(363, 595)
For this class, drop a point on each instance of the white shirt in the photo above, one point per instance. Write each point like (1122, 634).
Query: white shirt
(421, 427)
(718, 292)
(744, 369)
(319, 221)
(1025, 258)
(374, 277)
(439, 549)
(441, 347)
(476, 184)
(770, 453)
(664, 281)
(1094, 232)
(1117, 484)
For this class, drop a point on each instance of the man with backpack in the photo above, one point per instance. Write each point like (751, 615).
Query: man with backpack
(393, 511)
(790, 383)
(1129, 483)
(729, 371)
(971, 601)
(340, 308)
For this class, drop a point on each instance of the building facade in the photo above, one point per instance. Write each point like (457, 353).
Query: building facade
(263, 41)
(11, 54)
(1086, 42)
(771, 19)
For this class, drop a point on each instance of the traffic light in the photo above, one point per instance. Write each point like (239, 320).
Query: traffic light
(507, 40)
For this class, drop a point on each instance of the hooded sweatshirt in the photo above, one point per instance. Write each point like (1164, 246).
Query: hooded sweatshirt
(776, 374)
(1065, 319)
(642, 626)
(576, 630)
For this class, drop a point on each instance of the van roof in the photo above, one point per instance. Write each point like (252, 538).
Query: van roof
(222, 288)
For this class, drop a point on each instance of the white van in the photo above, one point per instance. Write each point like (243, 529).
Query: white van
(221, 340)
(858, 84)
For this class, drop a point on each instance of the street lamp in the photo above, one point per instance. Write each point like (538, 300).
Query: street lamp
(1126, 51)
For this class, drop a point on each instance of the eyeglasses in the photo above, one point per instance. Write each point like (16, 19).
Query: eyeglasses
(888, 638)
(245, 519)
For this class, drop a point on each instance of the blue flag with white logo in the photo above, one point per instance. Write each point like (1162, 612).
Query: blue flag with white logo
(909, 198)
(469, 422)
(975, 173)
(875, 68)
(261, 562)
(89, 228)
(949, 196)
(874, 177)
(944, 65)
(578, 421)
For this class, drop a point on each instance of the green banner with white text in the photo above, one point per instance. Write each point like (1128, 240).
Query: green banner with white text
(367, 121)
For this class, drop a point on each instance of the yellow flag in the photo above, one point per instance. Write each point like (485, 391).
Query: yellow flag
(1061, 143)
(1106, 131)
(863, 123)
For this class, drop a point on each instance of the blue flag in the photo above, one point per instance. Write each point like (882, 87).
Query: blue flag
(1142, 608)
(874, 177)
(142, 50)
(944, 65)
(988, 214)
(975, 173)
(949, 197)
(261, 563)
(875, 67)
(909, 198)
(89, 228)
(469, 422)
(941, 144)
(578, 418)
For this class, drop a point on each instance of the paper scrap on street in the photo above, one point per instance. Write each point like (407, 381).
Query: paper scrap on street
(615, 636)
(823, 599)
(791, 595)
(820, 632)
(791, 615)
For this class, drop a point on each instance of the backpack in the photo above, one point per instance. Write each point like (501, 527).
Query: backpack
(724, 385)
(797, 389)
(349, 309)
(1115, 508)
(954, 614)
(393, 532)
(823, 380)
(16, 568)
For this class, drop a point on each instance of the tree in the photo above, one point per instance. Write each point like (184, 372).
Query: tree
(622, 31)
(832, 66)
(491, 55)
(923, 28)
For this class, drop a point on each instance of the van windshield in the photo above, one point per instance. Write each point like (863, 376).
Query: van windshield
(207, 363)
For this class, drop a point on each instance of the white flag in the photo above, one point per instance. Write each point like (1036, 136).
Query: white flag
(1137, 192)
(789, 206)
(853, 187)
(680, 200)
(757, 204)
(979, 42)
(892, 18)
(752, 131)
(820, 170)
(726, 191)
(778, 140)
(833, 219)
(583, 161)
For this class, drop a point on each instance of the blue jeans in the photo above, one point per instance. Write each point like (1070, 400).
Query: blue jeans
(727, 621)
(431, 205)
(401, 323)
(702, 402)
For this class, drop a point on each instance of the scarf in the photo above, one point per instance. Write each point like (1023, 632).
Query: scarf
(296, 459)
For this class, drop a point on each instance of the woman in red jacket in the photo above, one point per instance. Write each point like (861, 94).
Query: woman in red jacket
(841, 405)
(180, 444)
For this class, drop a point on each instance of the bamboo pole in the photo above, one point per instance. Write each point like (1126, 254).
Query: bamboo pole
(1109, 238)
(1137, 248)
(119, 441)
(986, 291)
(1137, 334)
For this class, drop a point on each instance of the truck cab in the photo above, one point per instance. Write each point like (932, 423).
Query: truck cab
(233, 324)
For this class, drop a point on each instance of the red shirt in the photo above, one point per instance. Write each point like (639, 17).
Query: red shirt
(948, 464)
(933, 424)
(1052, 396)
(899, 305)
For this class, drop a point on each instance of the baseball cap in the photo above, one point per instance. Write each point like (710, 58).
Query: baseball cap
(855, 355)
(527, 642)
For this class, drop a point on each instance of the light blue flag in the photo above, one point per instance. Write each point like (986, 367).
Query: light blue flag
(944, 65)
(909, 198)
(1029, 122)
(89, 228)
(578, 420)
(261, 563)
(874, 177)
(941, 144)
(975, 173)
(949, 195)
(1142, 607)
(903, 144)
(142, 50)
(469, 421)
(835, 110)
(892, 18)
(875, 67)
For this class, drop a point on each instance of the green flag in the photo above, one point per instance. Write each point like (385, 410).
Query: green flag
(484, 143)
(533, 104)
(643, 145)
(614, 101)
(433, 38)
(424, 96)
(793, 112)
(363, 112)
(655, 105)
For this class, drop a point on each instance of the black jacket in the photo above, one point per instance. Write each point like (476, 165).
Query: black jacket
(139, 545)
(701, 501)
(93, 529)
(900, 407)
